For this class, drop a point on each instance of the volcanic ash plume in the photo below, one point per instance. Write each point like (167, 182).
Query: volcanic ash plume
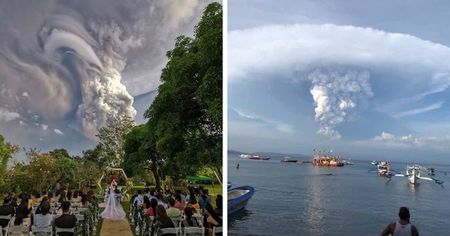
(94, 66)
(336, 93)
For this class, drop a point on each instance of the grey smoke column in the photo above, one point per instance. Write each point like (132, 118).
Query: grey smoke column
(61, 62)
(336, 93)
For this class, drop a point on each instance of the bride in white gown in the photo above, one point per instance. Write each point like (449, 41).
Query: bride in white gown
(113, 210)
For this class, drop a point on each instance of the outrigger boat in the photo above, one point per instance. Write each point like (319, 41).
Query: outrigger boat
(413, 173)
(384, 169)
(238, 198)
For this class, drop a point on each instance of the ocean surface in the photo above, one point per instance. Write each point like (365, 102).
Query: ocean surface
(300, 199)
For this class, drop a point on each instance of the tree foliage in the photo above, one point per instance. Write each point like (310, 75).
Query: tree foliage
(185, 118)
(7, 150)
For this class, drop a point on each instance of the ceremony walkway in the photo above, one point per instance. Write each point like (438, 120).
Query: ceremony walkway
(115, 227)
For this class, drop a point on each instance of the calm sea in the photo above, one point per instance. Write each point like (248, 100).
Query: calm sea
(299, 199)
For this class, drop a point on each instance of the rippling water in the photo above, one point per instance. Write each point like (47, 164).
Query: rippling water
(299, 199)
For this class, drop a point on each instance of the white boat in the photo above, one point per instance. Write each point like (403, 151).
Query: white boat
(413, 172)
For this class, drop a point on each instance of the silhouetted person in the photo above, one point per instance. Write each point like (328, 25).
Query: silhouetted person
(6, 210)
(402, 227)
(66, 220)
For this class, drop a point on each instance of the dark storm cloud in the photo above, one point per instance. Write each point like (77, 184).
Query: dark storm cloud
(61, 62)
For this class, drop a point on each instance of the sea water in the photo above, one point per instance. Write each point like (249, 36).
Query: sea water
(300, 199)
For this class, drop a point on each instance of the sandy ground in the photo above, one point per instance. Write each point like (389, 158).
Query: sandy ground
(115, 227)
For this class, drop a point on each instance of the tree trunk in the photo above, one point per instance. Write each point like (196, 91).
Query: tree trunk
(154, 169)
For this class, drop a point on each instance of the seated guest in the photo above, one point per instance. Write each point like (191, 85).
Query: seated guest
(193, 203)
(159, 197)
(139, 199)
(172, 211)
(162, 220)
(212, 218)
(6, 210)
(204, 198)
(51, 200)
(219, 204)
(66, 220)
(146, 204)
(189, 221)
(44, 218)
(23, 210)
(179, 203)
(151, 211)
(39, 208)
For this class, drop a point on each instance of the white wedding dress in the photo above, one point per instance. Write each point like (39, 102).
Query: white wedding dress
(113, 210)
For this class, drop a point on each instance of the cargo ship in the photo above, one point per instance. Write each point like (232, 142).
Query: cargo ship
(326, 159)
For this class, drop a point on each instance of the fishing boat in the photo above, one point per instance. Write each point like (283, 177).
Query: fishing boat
(238, 198)
(289, 160)
(254, 157)
(414, 174)
(384, 169)
(326, 159)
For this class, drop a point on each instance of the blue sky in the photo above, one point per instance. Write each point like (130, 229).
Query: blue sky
(368, 79)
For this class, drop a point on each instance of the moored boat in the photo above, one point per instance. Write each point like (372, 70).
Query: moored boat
(289, 160)
(384, 169)
(326, 159)
(254, 157)
(238, 198)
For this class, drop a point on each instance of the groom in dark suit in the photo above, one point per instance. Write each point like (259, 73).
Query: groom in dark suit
(66, 220)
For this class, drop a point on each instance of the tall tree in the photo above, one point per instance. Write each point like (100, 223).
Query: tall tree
(141, 154)
(7, 150)
(186, 116)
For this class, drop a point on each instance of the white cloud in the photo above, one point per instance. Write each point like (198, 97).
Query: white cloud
(280, 126)
(6, 115)
(421, 110)
(296, 52)
(59, 132)
(409, 141)
(285, 128)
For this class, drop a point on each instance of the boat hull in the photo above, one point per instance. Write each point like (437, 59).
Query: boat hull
(237, 203)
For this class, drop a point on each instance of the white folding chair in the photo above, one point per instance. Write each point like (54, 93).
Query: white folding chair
(64, 230)
(216, 230)
(8, 217)
(42, 230)
(17, 230)
(193, 230)
(165, 231)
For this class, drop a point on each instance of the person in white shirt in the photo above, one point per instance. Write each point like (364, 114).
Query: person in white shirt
(44, 218)
(402, 227)
(139, 200)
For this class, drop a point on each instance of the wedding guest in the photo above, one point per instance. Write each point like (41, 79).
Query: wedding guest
(151, 211)
(212, 218)
(44, 218)
(23, 210)
(66, 220)
(219, 204)
(172, 211)
(162, 220)
(179, 203)
(6, 210)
